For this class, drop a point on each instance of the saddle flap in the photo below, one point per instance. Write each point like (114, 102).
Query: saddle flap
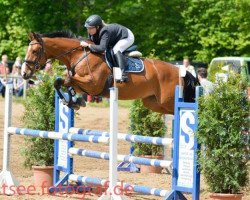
(134, 64)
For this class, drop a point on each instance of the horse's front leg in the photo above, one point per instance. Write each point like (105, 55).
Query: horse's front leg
(70, 99)
(58, 83)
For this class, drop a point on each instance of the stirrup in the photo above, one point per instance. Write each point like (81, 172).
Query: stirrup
(124, 79)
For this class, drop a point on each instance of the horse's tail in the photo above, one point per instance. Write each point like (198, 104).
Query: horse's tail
(190, 82)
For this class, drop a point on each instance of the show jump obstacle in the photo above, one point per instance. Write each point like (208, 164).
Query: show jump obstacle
(185, 176)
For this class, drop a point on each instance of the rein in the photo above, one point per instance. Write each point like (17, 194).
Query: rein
(85, 55)
(65, 53)
(88, 65)
(36, 62)
(71, 69)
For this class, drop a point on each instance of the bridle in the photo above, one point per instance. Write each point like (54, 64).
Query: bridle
(36, 62)
(41, 52)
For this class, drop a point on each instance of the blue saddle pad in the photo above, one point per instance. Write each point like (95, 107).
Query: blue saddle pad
(133, 64)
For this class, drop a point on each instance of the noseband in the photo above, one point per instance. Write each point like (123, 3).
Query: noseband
(36, 62)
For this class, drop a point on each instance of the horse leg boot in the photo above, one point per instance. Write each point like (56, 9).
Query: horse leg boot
(72, 100)
(121, 61)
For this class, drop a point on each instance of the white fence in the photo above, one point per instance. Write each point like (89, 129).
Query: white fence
(15, 77)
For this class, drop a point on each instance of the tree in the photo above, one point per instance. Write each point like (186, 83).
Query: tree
(167, 30)
(217, 28)
(12, 29)
(157, 25)
(41, 16)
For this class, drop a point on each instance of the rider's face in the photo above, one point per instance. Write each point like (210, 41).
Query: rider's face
(91, 30)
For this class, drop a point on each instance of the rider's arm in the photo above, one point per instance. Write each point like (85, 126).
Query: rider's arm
(104, 41)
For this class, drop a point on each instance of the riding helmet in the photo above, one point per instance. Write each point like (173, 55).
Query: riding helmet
(93, 21)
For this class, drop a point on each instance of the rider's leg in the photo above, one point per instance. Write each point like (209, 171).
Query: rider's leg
(120, 47)
(121, 61)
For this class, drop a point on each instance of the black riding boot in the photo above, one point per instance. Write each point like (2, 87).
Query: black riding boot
(121, 61)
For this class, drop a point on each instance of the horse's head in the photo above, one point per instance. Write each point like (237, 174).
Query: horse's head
(35, 58)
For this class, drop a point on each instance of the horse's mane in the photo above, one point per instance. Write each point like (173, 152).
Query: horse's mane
(64, 34)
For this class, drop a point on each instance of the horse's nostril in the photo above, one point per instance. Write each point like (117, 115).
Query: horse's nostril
(24, 75)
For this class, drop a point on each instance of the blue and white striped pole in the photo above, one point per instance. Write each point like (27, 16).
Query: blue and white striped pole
(121, 158)
(125, 136)
(57, 135)
(125, 186)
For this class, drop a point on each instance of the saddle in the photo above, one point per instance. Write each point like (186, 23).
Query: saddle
(132, 56)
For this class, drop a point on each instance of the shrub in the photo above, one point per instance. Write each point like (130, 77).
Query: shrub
(146, 123)
(39, 114)
(223, 116)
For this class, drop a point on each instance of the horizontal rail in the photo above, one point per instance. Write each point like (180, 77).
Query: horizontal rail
(57, 135)
(125, 137)
(122, 158)
(135, 188)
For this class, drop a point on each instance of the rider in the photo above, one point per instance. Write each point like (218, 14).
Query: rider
(105, 36)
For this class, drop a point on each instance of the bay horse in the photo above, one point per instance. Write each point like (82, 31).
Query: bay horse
(89, 72)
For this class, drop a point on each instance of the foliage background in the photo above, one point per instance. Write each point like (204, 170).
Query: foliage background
(167, 29)
(223, 126)
(39, 115)
(146, 123)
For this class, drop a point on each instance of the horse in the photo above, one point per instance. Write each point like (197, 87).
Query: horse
(89, 73)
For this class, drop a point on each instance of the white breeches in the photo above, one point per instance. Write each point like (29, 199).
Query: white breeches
(125, 43)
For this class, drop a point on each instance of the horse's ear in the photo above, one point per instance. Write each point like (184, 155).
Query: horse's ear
(31, 36)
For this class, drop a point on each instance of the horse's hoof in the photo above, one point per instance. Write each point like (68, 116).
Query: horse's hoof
(75, 107)
(81, 102)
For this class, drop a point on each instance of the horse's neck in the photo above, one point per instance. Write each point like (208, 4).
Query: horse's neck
(58, 48)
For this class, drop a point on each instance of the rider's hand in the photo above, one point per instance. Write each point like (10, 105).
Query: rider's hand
(84, 44)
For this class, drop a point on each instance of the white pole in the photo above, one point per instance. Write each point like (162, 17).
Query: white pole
(113, 124)
(113, 191)
(182, 73)
(6, 177)
(7, 123)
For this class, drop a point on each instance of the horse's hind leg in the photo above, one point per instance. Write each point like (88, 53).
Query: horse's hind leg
(151, 103)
